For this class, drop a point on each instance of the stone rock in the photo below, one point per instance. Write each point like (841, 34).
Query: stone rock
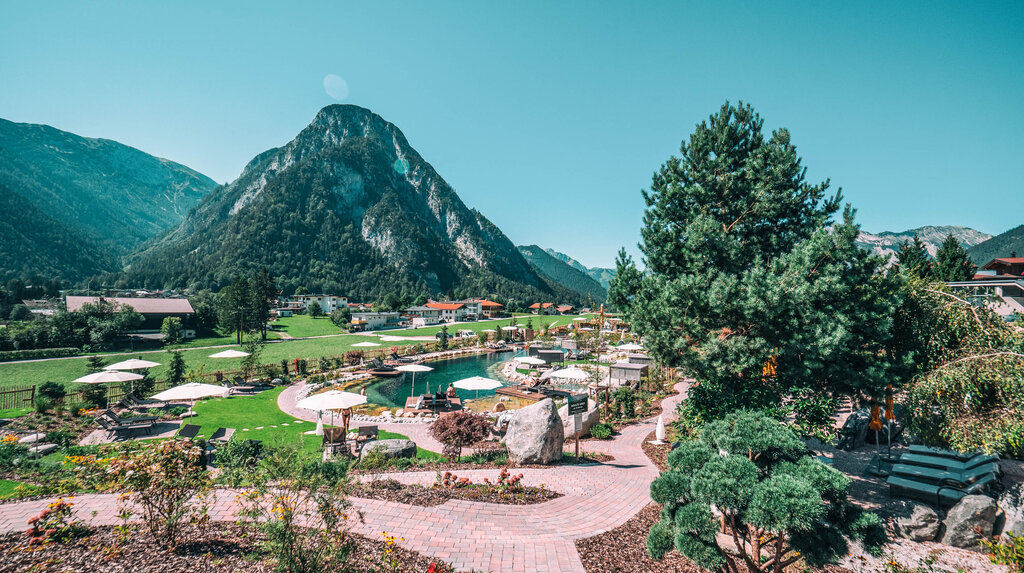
(42, 449)
(399, 412)
(918, 522)
(535, 434)
(391, 448)
(590, 417)
(1011, 501)
(969, 521)
(31, 438)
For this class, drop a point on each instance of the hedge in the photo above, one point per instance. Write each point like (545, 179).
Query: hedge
(8, 355)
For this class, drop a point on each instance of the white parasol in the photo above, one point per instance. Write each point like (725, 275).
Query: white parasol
(365, 344)
(132, 364)
(192, 391)
(230, 354)
(331, 400)
(414, 368)
(533, 360)
(572, 374)
(477, 383)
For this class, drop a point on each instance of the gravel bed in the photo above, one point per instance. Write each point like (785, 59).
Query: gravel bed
(624, 549)
(225, 547)
(413, 494)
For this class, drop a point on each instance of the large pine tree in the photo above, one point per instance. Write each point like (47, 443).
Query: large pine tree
(743, 269)
(951, 261)
(913, 258)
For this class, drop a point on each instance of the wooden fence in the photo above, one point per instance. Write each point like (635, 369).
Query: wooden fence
(17, 398)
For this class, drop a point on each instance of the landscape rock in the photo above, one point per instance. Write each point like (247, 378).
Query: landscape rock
(535, 434)
(42, 449)
(1011, 501)
(918, 522)
(397, 448)
(590, 417)
(31, 438)
(969, 521)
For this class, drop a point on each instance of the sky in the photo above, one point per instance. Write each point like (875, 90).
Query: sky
(551, 117)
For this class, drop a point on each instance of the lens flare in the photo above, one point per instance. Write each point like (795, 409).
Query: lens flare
(335, 87)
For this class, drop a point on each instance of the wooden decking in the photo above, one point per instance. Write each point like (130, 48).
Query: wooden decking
(523, 391)
(410, 406)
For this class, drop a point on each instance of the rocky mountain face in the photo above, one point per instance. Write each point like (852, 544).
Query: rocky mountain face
(96, 196)
(563, 273)
(1003, 245)
(602, 275)
(347, 206)
(887, 243)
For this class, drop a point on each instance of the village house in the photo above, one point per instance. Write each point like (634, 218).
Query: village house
(998, 285)
(375, 320)
(450, 311)
(329, 303)
(544, 308)
(566, 309)
(423, 315)
(153, 311)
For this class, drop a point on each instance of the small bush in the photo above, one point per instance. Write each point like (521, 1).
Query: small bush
(55, 523)
(601, 431)
(95, 395)
(457, 430)
(62, 438)
(238, 459)
(373, 460)
(53, 391)
(43, 405)
(1011, 553)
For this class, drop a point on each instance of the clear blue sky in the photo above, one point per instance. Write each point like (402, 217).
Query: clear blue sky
(550, 117)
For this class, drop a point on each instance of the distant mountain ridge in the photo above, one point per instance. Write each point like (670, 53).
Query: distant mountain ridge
(98, 197)
(602, 275)
(887, 243)
(1002, 245)
(563, 273)
(347, 206)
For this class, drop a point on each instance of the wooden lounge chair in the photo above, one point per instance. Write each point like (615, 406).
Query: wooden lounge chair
(116, 428)
(948, 464)
(334, 440)
(188, 431)
(222, 435)
(132, 420)
(367, 433)
(945, 477)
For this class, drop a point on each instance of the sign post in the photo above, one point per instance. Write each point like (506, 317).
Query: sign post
(577, 406)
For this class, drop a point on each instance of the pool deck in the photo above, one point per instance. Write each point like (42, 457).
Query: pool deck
(410, 406)
(535, 395)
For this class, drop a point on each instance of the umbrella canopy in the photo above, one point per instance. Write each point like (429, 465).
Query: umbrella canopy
(580, 319)
(413, 368)
(388, 338)
(530, 360)
(488, 330)
(629, 346)
(110, 376)
(230, 354)
(509, 328)
(132, 364)
(331, 400)
(477, 383)
(365, 344)
(190, 391)
(574, 374)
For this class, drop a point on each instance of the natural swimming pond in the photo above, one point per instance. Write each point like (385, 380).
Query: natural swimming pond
(392, 392)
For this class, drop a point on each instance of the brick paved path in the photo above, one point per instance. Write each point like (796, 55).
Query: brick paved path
(471, 535)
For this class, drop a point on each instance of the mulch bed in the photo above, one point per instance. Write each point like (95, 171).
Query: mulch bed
(412, 494)
(223, 547)
(657, 454)
(78, 426)
(624, 549)
(588, 458)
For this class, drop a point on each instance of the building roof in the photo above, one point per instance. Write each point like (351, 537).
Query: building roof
(445, 305)
(141, 305)
(565, 308)
(628, 366)
(490, 304)
(419, 309)
(542, 305)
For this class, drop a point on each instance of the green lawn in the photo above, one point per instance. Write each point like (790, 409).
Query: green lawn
(7, 487)
(301, 325)
(252, 412)
(14, 412)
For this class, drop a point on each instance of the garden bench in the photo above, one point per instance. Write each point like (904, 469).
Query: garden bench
(929, 493)
(367, 433)
(946, 477)
(947, 464)
(335, 439)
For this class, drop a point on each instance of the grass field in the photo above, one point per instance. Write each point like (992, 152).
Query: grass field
(7, 487)
(300, 325)
(14, 412)
(247, 413)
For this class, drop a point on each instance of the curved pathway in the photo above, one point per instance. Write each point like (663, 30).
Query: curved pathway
(471, 535)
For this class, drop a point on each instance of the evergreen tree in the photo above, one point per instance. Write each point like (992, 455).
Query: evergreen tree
(913, 258)
(264, 292)
(951, 262)
(742, 269)
(236, 313)
(171, 329)
(314, 310)
(176, 369)
(625, 284)
(95, 363)
(341, 317)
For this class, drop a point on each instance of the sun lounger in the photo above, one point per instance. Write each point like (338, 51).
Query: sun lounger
(188, 431)
(132, 420)
(222, 435)
(334, 440)
(929, 493)
(115, 428)
(945, 477)
(942, 453)
(367, 433)
(948, 464)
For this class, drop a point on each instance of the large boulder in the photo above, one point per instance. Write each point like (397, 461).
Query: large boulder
(969, 521)
(918, 522)
(1011, 501)
(535, 434)
(391, 448)
(590, 417)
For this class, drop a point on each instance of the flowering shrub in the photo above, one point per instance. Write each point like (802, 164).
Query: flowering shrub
(301, 508)
(457, 430)
(55, 523)
(163, 480)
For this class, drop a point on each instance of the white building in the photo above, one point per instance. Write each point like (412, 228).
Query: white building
(375, 320)
(450, 311)
(328, 302)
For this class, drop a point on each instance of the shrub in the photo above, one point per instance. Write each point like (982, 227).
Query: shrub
(55, 523)
(601, 431)
(301, 508)
(284, 366)
(778, 504)
(1010, 553)
(373, 460)
(625, 401)
(43, 405)
(163, 480)
(8, 355)
(53, 391)
(95, 395)
(62, 438)
(457, 430)
(353, 357)
(238, 459)
(11, 452)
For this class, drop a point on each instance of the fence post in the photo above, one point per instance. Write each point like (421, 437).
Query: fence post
(32, 398)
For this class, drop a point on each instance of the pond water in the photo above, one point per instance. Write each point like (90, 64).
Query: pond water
(392, 392)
